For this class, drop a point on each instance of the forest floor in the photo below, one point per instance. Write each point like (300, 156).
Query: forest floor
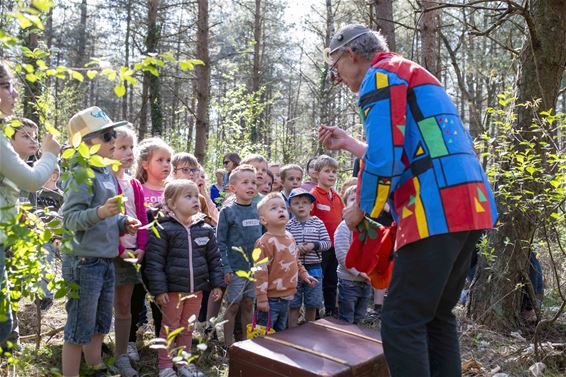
(484, 352)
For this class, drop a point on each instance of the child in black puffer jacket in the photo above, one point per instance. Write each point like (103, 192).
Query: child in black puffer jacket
(179, 264)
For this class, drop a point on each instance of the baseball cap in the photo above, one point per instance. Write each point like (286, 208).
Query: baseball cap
(89, 121)
(301, 192)
(344, 36)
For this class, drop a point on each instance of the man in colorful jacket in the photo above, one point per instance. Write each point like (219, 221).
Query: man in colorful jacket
(420, 158)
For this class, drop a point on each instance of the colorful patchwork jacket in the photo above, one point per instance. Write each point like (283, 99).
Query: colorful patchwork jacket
(419, 156)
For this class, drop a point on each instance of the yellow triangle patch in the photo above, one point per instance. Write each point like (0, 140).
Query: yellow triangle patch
(479, 207)
(419, 151)
(406, 212)
(381, 80)
(366, 111)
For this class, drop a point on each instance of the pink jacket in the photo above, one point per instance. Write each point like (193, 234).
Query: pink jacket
(141, 214)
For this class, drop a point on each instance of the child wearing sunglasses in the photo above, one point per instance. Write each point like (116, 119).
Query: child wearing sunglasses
(92, 211)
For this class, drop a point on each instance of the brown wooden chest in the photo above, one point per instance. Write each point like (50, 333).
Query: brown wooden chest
(326, 347)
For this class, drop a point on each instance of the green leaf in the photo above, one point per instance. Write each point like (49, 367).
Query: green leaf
(243, 274)
(68, 153)
(91, 74)
(120, 90)
(94, 149)
(31, 77)
(84, 150)
(77, 76)
(43, 5)
(76, 140)
(97, 161)
(23, 21)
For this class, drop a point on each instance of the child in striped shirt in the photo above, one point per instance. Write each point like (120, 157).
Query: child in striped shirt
(312, 239)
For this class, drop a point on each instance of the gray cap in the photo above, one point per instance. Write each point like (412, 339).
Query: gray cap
(346, 35)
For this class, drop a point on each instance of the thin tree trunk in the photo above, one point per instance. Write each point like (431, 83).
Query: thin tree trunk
(127, 56)
(203, 82)
(256, 67)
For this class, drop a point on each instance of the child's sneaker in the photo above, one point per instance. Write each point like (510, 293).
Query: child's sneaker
(189, 371)
(167, 372)
(133, 351)
(124, 367)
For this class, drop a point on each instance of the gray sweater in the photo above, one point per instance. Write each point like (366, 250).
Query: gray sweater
(238, 226)
(93, 237)
(342, 242)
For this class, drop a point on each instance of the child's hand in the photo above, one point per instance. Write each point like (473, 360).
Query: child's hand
(127, 253)
(132, 224)
(228, 278)
(216, 294)
(50, 145)
(310, 280)
(365, 276)
(162, 299)
(263, 306)
(306, 247)
(139, 253)
(110, 208)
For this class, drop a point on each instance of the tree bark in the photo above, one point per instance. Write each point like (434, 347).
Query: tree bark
(325, 87)
(430, 52)
(127, 55)
(495, 299)
(203, 82)
(381, 18)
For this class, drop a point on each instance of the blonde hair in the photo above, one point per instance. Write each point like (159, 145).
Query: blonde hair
(126, 131)
(145, 151)
(236, 173)
(324, 161)
(353, 181)
(176, 188)
(263, 202)
(348, 192)
(253, 158)
(286, 168)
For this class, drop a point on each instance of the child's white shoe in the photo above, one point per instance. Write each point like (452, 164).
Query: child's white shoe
(124, 367)
(167, 372)
(133, 351)
(189, 371)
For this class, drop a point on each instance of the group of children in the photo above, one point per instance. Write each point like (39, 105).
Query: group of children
(202, 251)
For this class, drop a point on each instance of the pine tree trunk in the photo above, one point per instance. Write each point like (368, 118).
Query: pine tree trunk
(429, 38)
(154, 82)
(127, 56)
(495, 297)
(381, 17)
(256, 66)
(203, 82)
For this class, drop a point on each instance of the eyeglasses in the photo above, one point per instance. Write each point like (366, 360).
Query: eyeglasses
(107, 136)
(226, 162)
(333, 74)
(187, 170)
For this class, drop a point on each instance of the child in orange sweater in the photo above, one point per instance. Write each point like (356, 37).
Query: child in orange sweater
(276, 282)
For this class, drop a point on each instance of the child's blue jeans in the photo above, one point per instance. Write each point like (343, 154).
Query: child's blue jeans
(5, 310)
(278, 311)
(353, 300)
(91, 312)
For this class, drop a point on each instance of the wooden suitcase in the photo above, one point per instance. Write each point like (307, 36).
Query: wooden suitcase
(327, 347)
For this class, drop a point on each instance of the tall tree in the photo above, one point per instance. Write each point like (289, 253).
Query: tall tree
(495, 299)
(381, 18)
(203, 82)
(256, 65)
(429, 27)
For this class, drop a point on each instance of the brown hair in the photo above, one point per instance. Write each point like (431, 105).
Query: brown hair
(352, 181)
(25, 122)
(176, 188)
(349, 192)
(324, 161)
(235, 175)
(285, 169)
(145, 151)
(185, 158)
(5, 73)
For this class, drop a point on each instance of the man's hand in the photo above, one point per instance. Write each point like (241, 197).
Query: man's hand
(263, 306)
(162, 299)
(353, 215)
(332, 137)
(110, 208)
(50, 145)
(228, 278)
(216, 294)
(310, 280)
(131, 225)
